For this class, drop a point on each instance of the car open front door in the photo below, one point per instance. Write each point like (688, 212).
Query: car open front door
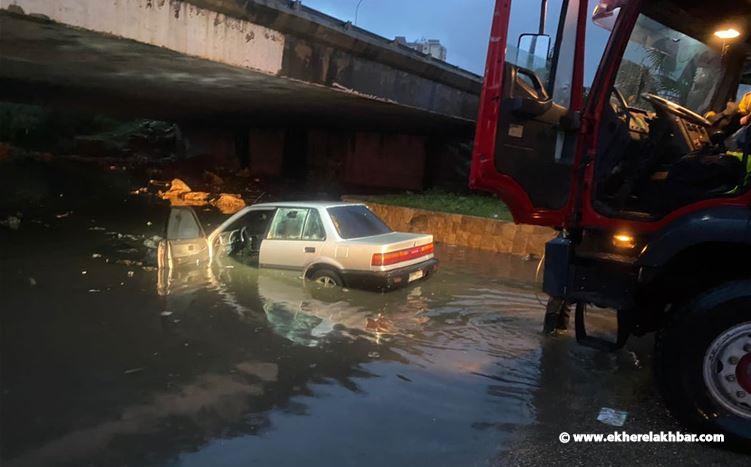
(525, 146)
(185, 242)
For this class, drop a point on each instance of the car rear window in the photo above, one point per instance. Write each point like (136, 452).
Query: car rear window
(357, 222)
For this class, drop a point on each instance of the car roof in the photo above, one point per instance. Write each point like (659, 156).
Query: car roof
(306, 204)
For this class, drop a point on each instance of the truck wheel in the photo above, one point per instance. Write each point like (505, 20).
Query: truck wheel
(327, 278)
(703, 362)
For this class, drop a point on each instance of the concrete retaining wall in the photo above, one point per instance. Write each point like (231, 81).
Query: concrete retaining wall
(175, 25)
(468, 231)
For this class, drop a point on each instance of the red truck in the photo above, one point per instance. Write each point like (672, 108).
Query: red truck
(645, 175)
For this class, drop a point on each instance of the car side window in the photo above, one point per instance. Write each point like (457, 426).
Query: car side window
(183, 225)
(288, 224)
(255, 222)
(314, 227)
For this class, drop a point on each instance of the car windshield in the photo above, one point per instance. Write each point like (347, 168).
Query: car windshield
(357, 222)
(670, 64)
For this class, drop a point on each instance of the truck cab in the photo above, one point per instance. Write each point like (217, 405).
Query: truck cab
(641, 162)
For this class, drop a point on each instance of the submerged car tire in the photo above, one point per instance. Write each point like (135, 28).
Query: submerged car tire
(703, 363)
(327, 278)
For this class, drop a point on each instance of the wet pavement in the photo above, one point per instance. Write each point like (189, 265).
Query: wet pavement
(106, 360)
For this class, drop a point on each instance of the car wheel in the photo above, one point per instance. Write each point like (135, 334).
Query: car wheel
(327, 278)
(703, 363)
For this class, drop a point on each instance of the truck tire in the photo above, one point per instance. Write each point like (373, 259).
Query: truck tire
(703, 363)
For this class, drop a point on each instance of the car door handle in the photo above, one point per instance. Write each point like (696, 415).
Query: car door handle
(310, 249)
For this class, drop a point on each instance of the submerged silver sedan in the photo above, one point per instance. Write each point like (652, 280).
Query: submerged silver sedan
(333, 243)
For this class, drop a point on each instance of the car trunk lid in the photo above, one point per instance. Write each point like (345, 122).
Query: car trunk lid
(399, 249)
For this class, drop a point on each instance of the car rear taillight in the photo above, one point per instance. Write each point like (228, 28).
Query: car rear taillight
(393, 257)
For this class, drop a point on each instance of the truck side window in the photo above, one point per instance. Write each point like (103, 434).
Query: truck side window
(288, 224)
(528, 46)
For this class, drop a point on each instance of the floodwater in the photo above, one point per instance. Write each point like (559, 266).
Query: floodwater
(107, 360)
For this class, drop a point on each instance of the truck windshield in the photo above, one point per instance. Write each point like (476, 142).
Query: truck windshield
(356, 222)
(663, 61)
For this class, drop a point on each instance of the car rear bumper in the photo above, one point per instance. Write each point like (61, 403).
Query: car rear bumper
(389, 280)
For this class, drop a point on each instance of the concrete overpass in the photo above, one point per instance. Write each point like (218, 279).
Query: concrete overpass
(273, 70)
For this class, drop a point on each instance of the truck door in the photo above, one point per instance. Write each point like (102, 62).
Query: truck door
(528, 122)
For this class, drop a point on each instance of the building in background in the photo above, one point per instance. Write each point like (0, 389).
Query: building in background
(432, 47)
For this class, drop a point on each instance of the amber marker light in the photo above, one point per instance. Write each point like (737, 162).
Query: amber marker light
(624, 241)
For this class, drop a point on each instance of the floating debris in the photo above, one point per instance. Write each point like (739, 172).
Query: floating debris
(153, 242)
(133, 370)
(63, 214)
(11, 222)
(612, 417)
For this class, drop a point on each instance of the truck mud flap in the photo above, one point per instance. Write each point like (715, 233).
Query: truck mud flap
(624, 330)
(557, 260)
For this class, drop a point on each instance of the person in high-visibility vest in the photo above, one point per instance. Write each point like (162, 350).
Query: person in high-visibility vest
(738, 142)
(733, 122)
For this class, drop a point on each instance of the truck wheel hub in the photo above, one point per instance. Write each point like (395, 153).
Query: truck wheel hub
(743, 373)
(727, 370)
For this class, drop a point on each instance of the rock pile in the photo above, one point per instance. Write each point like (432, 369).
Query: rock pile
(180, 194)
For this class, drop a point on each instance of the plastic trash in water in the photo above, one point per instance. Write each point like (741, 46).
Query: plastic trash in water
(12, 222)
(612, 417)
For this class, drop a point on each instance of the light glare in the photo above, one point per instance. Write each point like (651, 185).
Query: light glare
(729, 33)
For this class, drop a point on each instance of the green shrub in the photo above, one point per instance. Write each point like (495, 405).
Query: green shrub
(436, 200)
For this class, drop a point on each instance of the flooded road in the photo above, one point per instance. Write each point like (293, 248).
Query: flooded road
(108, 361)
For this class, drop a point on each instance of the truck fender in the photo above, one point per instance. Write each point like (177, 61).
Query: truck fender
(728, 224)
